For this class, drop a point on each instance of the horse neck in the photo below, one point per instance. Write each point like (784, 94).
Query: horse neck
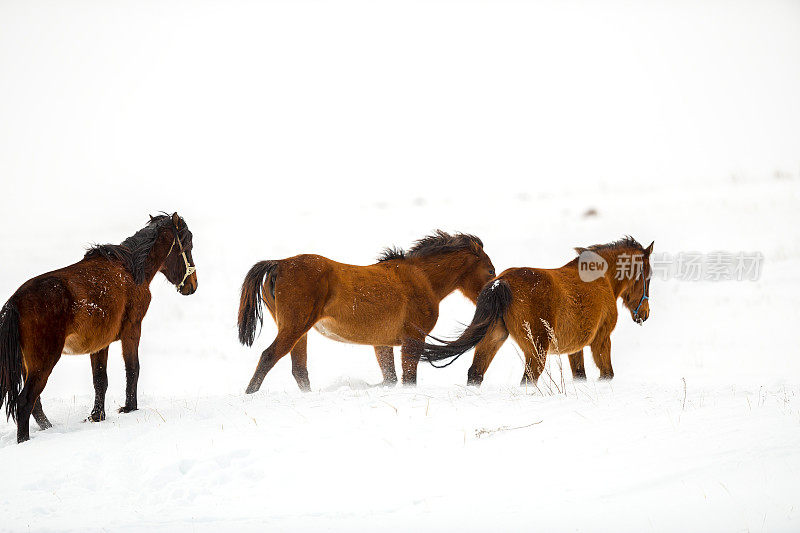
(155, 258)
(443, 271)
(618, 283)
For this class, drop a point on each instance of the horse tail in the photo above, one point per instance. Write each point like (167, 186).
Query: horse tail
(251, 313)
(10, 358)
(490, 308)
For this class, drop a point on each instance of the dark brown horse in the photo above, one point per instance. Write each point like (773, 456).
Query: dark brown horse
(559, 310)
(82, 309)
(381, 305)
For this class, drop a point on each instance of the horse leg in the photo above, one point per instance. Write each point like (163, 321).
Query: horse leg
(282, 344)
(385, 355)
(100, 378)
(299, 363)
(534, 365)
(130, 354)
(485, 351)
(39, 416)
(533, 339)
(576, 364)
(409, 362)
(601, 352)
(38, 412)
(37, 374)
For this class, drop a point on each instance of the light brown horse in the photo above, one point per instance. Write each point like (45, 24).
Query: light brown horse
(82, 309)
(559, 310)
(381, 305)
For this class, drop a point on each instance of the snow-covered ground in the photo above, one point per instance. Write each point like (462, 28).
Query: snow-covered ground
(340, 128)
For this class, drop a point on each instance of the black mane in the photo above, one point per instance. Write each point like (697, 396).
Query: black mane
(438, 243)
(626, 242)
(392, 252)
(133, 251)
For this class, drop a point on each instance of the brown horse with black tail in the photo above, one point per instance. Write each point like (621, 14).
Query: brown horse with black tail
(82, 309)
(559, 310)
(383, 305)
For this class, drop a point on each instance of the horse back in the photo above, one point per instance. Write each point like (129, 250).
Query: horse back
(362, 304)
(79, 308)
(393, 297)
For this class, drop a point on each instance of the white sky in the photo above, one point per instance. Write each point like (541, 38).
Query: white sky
(282, 102)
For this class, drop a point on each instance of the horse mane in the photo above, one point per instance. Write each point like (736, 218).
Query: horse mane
(625, 242)
(439, 242)
(133, 251)
(390, 253)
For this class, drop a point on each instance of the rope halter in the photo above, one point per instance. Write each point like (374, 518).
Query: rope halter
(190, 269)
(645, 296)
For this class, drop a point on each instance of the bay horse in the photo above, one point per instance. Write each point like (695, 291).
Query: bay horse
(560, 310)
(382, 305)
(82, 309)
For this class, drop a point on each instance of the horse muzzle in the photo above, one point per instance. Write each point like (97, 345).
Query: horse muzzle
(189, 286)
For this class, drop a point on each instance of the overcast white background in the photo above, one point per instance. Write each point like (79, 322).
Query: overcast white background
(339, 128)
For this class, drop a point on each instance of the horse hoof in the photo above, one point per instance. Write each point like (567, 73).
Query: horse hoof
(96, 416)
(126, 409)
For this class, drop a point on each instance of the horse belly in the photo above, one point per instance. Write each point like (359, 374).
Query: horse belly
(567, 346)
(571, 341)
(76, 344)
(341, 333)
(72, 346)
(94, 327)
(326, 328)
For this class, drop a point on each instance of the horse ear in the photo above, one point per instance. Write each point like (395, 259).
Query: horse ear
(175, 218)
(649, 249)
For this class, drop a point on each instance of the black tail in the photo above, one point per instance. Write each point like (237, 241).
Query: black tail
(251, 314)
(10, 358)
(493, 301)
